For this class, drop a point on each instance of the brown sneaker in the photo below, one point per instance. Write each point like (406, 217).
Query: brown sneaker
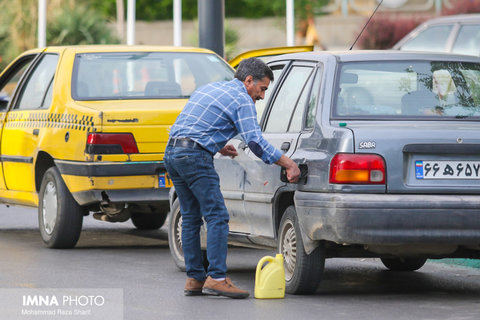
(223, 288)
(193, 287)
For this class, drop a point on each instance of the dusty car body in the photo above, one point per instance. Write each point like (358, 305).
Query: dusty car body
(388, 143)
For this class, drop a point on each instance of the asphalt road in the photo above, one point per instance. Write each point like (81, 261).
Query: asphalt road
(138, 264)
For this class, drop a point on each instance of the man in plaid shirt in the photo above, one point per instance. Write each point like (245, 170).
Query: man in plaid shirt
(214, 114)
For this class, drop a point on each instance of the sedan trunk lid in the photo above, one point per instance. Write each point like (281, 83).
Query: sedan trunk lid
(422, 156)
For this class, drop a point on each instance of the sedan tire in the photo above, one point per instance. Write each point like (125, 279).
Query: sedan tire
(303, 272)
(60, 218)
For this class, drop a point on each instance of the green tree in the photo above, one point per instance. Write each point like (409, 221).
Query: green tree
(163, 9)
(76, 23)
(17, 28)
(69, 22)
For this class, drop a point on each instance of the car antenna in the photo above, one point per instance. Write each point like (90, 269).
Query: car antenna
(366, 24)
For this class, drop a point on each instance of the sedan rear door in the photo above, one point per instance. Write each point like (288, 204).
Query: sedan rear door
(282, 124)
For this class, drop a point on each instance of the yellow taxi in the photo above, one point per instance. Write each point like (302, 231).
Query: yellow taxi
(83, 130)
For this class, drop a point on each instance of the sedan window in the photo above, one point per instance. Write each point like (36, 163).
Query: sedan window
(468, 40)
(261, 104)
(296, 122)
(431, 39)
(287, 99)
(312, 104)
(396, 89)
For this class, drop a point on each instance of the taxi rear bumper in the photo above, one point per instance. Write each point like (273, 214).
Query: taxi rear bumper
(129, 182)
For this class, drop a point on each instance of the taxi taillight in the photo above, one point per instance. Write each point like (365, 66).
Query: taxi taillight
(348, 168)
(111, 143)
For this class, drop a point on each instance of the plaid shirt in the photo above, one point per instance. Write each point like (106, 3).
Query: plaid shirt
(219, 111)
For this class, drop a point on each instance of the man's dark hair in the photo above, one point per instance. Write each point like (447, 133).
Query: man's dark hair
(253, 67)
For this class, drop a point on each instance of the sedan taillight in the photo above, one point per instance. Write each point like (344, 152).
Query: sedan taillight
(350, 168)
(111, 143)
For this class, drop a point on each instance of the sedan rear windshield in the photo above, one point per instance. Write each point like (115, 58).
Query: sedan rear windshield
(407, 89)
(144, 75)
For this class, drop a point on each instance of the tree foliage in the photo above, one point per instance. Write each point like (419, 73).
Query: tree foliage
(163, 9)
(17, 28)
(69, 22)
(78, 24)
(386, 29)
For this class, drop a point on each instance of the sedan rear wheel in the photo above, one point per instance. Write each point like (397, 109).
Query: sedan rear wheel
(60, 218)
(303, 272)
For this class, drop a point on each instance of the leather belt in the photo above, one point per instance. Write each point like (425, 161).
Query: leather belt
(184, 143)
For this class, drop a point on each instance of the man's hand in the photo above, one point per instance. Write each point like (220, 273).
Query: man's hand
(229, 151)
(293, 172)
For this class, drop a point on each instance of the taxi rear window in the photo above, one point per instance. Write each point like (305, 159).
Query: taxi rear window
(144, 75)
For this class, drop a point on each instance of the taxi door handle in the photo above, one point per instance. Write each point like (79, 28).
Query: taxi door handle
(36, 132)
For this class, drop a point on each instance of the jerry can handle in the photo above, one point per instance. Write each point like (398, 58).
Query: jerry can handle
(260, 265)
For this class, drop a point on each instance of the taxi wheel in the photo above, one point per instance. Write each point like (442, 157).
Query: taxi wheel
(60, 218)
(175, 235)
(403, 264)
(175, 238)
(303, 271)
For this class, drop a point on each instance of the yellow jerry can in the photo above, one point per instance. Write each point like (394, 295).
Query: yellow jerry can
(270, 278)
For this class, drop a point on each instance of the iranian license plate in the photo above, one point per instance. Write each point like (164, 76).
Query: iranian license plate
(447, 169)
(164, 181)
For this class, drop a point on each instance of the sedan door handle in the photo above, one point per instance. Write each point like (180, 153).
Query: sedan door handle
(36, 132)
(285, 146)
(242, 145)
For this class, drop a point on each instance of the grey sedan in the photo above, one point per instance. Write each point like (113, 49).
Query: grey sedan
(389, 146)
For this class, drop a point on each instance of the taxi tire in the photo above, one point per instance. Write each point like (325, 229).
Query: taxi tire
(403, 264)
(303, 272)
(175, 240)
(174, 235)
(68, 214)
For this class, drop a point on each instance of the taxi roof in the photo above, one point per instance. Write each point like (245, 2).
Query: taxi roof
(123, 48)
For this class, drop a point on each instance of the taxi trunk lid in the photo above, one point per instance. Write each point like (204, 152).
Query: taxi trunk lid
(423, 156)
(149, 121)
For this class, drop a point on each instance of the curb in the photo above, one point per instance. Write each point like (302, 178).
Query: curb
(472, 263)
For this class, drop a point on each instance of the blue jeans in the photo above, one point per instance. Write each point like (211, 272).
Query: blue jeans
(197, 186)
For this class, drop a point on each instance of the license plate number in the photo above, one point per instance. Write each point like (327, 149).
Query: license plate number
(164, 181)
(447, 169)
